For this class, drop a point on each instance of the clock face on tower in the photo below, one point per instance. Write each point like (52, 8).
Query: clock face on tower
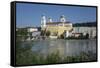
(62, 18)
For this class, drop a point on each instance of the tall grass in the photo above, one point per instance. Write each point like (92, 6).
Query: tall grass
(25, 56)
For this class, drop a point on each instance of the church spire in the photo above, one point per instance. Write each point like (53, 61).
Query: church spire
(43, 21)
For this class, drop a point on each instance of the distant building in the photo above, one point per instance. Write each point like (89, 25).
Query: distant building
(76, 34)
(32, 29)
(56, 28)
(87, 28)
(36, 33)
(33, 33)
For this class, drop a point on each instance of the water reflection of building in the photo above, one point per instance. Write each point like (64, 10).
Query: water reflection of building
(56, 28)
(56, 48)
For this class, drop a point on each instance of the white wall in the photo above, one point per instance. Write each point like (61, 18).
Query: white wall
(5, 34)
(85, 30)
(32, 29)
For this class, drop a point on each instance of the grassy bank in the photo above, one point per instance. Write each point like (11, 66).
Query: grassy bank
(27, 57)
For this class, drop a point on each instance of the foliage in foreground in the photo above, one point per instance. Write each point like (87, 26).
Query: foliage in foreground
(26, 57)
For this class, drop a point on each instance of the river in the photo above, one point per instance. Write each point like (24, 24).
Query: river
(64, 47)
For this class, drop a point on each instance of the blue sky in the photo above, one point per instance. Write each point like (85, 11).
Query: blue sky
(30, 14)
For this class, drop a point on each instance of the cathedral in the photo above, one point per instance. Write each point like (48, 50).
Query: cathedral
(56, 28)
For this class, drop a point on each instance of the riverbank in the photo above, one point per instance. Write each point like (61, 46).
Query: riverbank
(29, 58)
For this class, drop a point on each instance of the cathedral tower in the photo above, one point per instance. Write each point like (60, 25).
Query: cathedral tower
(62, 19)
(43, 21)
(49, 20)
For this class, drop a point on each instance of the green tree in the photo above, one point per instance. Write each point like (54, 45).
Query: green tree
(22, 33)
(48, 33)
(62, 36)
(87, 36)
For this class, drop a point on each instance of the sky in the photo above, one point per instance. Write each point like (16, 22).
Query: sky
(28, 14)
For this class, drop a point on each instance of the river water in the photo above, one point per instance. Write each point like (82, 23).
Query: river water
(64, 47)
